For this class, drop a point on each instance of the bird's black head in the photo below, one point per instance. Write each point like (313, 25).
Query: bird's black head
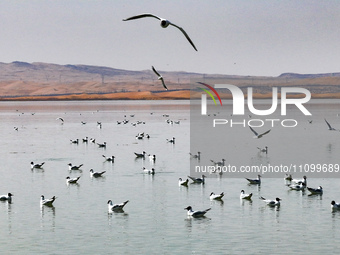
(188, 208)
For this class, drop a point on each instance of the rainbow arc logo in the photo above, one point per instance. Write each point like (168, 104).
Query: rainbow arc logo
(209, 93)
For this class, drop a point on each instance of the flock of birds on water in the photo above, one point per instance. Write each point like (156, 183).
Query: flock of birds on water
(293, 184)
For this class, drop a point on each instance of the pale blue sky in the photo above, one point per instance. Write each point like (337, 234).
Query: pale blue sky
(240, 37)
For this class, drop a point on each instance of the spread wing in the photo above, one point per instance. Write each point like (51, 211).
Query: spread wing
(185, 34)
(153, 69)
(253, 131)
(144, 15)
(266, 132)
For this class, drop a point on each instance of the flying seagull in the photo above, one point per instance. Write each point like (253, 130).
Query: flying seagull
(164, 23)
(159, 77)
(329, 126)
(257, 135)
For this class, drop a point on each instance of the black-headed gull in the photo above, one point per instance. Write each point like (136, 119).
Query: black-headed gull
(37, 165)
(303, 180)
(164, 23)
(297, 186)
(255, 181)
(196, 213)
(110, 159)
(258, 136)
(47, 202)
(214, 196)
(317, 191)
(183, 183)
(160, 77)
(335, 206)
(288, 177)
(265, 149)
(243, 195)
(96, 174)
(102, 145)
(72, 180)
(140, 155)
(330, 127)
(171, 140)
(269, 202)
(198, 180)
(7, 197)
(198, 155)
(76, 141)
(116, 207)
(72, 167)
(149, 171)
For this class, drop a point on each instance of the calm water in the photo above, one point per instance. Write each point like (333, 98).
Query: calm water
(154, 221)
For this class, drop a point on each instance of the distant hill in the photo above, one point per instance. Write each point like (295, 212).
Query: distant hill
(29, 80)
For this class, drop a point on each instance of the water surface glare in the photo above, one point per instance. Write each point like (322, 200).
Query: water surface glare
(154, 221)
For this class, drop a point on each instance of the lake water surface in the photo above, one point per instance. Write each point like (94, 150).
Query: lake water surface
(154, 221)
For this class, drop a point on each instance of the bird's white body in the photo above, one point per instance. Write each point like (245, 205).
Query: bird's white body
(243, 195)
(183, 183)
(269, 202)
(47, 202)
(317, 191)
(96, 174)
(72, 167)
(148, 171)
(7, 197)
(198, 180)
(214, 196)
(116, 207)
(193, 213)
(255, 181)
(72, 180)
(37, 165)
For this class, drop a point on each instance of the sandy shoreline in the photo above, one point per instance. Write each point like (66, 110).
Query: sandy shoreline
(144, 95)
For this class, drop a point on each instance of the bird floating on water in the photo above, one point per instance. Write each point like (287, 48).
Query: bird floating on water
(102, 145)
(269, 202)
(116, 207)
(198, 180)
(109, 159)
(47, 202)
(96, 174)
(265, 149)
(7, 197)
(214, 196)
(149, 171)
(288, 177)
(255, 181)
(160, 77)
(196, 213)
(183, 183)
(140, 155)
(297, 186)
(72, 167)
(299, 181)
(72, 180)
(243, 195)
(164, 23)
(197, 156)
(317, 191)
(335, 206)
(171, 140)
(37, 165)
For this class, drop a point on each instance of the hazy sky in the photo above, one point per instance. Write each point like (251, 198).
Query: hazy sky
(240, 37)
